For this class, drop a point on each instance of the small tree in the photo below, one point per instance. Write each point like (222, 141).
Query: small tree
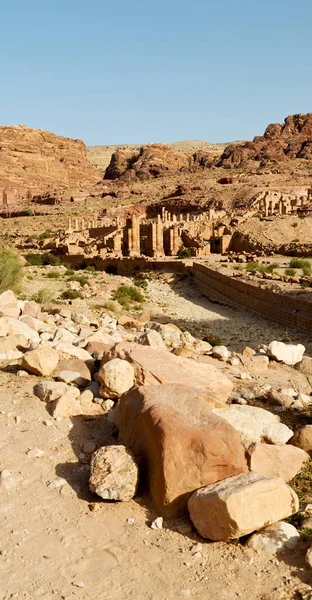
(11, 270)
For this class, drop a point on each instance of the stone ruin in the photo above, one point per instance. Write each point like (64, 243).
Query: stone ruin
(166, 235)
(272, 203)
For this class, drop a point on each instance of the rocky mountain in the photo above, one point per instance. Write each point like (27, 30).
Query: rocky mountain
(100, 156)
(154, 160)
(38, 161)
(279, 143)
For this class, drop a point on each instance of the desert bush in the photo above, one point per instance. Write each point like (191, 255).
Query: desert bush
(82, 279)
(184, 253)
(11, 270)
(44, 296)
(71, 295)
(45, 235)
(141, 283)
(40, 260)
(294, 224)
(301, 263)
(69, 272)
(255, 266)
(53, 275)
(290, 272)
(127, 295)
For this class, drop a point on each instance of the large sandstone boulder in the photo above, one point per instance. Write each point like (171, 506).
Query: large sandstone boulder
(10, 326)
(302, 438)
(255, 424)
(281, 460)
(114, 473)
(68, 350)
(180, 443)
(289, 354)
(240, 505)
(115, 377)
(153, 367)
(41, 361)
(9, 305)
(76, 365)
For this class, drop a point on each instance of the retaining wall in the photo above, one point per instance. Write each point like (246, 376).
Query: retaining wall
(282, 308)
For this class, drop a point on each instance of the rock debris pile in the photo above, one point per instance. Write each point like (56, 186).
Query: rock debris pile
(202, 447)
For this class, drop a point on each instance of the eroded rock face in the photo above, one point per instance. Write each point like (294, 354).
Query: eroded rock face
(284, 142)
(153, 367)
(240, 505)
(114, 473)
(154, 160)
(182, 445)
(37, 160)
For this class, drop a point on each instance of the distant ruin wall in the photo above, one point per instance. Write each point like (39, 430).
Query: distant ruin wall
(127, 266)
(282, 308)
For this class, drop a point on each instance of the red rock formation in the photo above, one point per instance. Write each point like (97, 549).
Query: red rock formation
(37, 161)
(154, 160)
(279, 143)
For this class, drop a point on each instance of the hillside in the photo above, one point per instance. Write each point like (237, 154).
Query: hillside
(100, 156)
(35, 160)
(280, 143)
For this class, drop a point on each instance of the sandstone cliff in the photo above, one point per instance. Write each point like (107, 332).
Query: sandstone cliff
(280, 143)
(37, 161)
(154, 160)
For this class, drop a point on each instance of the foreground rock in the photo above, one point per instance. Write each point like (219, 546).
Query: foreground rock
(255, 424)
(9, 305)
(116, 377)
(282, 460)
(10, 326)
(180, 443)
(289, 354)
(276, 538)
(240, 505)
(42, 361)
(114, 473)
(302, 438)
(48, 391)
(152, 367)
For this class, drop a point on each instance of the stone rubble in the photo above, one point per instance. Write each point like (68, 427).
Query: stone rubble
(178, 418)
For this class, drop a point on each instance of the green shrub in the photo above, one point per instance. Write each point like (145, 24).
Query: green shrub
(185, 252)
(53, 275)
(255, 266)
(108, 305)
(212, 339)
(45, 235)
(127, 295)
(44, 296)
(90, 268)
(300, 263)
(82, 279)
(11, 270)
(141, 283)
(42, 259)
(290, 272)
(69, 272)
(295, 224)
(29, 213)
(71, 295)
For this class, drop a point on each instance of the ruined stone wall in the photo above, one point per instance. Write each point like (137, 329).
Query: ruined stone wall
(127, 266)
(282, 308)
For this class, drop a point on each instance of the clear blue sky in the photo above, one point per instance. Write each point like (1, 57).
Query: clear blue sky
(140, 71)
